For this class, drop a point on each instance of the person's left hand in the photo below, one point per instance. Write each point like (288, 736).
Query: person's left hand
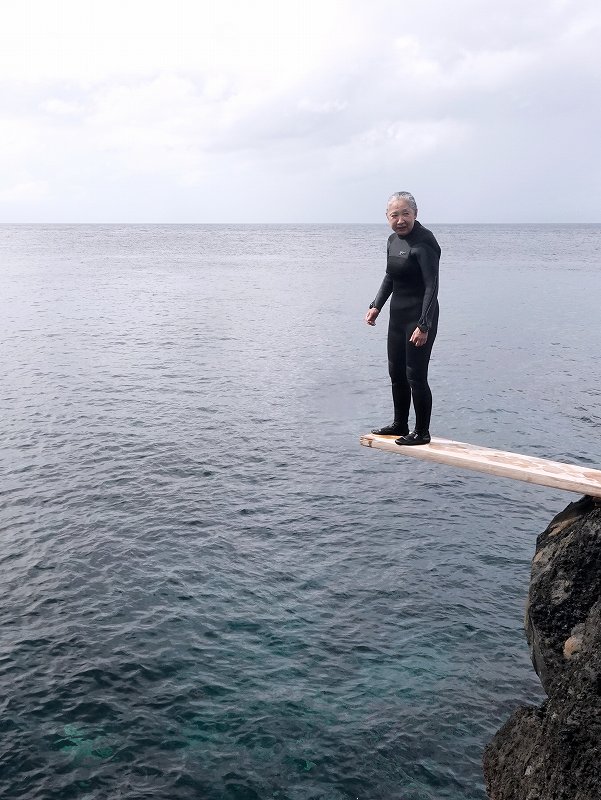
(419, 338)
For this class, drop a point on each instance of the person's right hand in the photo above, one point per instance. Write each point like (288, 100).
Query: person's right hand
(371, 315)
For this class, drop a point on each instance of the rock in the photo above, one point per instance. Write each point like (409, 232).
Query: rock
(554, 752)
(565, 583)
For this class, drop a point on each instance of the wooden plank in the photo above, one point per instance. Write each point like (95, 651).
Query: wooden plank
(570, 477)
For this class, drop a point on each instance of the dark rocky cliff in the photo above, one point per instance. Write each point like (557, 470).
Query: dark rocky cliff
(554, 752)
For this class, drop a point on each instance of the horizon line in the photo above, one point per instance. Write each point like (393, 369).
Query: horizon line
(249, 224)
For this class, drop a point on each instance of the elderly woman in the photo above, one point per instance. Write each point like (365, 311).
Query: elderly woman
(412, 279)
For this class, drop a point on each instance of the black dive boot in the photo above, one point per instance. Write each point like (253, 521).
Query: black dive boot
(414, 438)
(401, 399)
(396, 429)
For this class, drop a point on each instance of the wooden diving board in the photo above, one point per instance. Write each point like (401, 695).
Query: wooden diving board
(570, 477)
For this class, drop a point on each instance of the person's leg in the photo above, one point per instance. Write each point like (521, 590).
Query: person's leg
(401, 391)
(418, 360)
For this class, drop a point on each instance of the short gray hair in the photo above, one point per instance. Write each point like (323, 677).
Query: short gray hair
(407, 197)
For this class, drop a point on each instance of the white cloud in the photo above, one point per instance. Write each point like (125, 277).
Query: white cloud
(86, 42)
(153, 107)
(18, 138)
(62, 108)
(323, 107)
(24, 192)
(492, 70)
(400, 143)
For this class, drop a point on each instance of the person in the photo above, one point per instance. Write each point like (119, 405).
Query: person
(412, 278)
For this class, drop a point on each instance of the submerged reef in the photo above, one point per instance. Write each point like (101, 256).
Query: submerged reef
(553, 752)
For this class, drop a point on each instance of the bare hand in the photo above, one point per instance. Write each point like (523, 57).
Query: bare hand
(419, 338)
(371, 315)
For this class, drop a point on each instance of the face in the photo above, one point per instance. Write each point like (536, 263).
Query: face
(401, 217)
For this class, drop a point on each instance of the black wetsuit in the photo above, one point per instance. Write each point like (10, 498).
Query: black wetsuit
(412, 279)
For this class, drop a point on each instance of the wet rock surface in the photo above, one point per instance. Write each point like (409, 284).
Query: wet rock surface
(554, 752)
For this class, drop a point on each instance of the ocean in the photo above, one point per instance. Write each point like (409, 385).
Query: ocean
(210, 590)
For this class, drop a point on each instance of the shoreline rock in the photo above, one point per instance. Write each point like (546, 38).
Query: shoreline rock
(553, 752)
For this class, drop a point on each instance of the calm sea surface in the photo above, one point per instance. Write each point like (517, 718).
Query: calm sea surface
(209, 589)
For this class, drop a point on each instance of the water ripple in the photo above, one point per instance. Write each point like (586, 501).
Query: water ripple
(209, 589)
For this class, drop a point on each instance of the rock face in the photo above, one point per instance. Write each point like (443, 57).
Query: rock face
(554, 752)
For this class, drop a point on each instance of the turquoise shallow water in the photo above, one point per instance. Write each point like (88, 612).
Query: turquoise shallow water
(210, 590)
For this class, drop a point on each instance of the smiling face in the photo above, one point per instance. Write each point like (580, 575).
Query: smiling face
(401, 217)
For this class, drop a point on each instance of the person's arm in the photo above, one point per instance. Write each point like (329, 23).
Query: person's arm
(384, 293)
(428, 259)
(385, 289)
(382, 296)
(375, 307)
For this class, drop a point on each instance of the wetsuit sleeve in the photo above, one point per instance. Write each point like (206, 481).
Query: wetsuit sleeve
(384, 293)
(385, 289)
(428, 259)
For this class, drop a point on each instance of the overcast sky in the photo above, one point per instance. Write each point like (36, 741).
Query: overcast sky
(270, 111)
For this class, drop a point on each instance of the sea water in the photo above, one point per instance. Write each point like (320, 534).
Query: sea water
(210, 590)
